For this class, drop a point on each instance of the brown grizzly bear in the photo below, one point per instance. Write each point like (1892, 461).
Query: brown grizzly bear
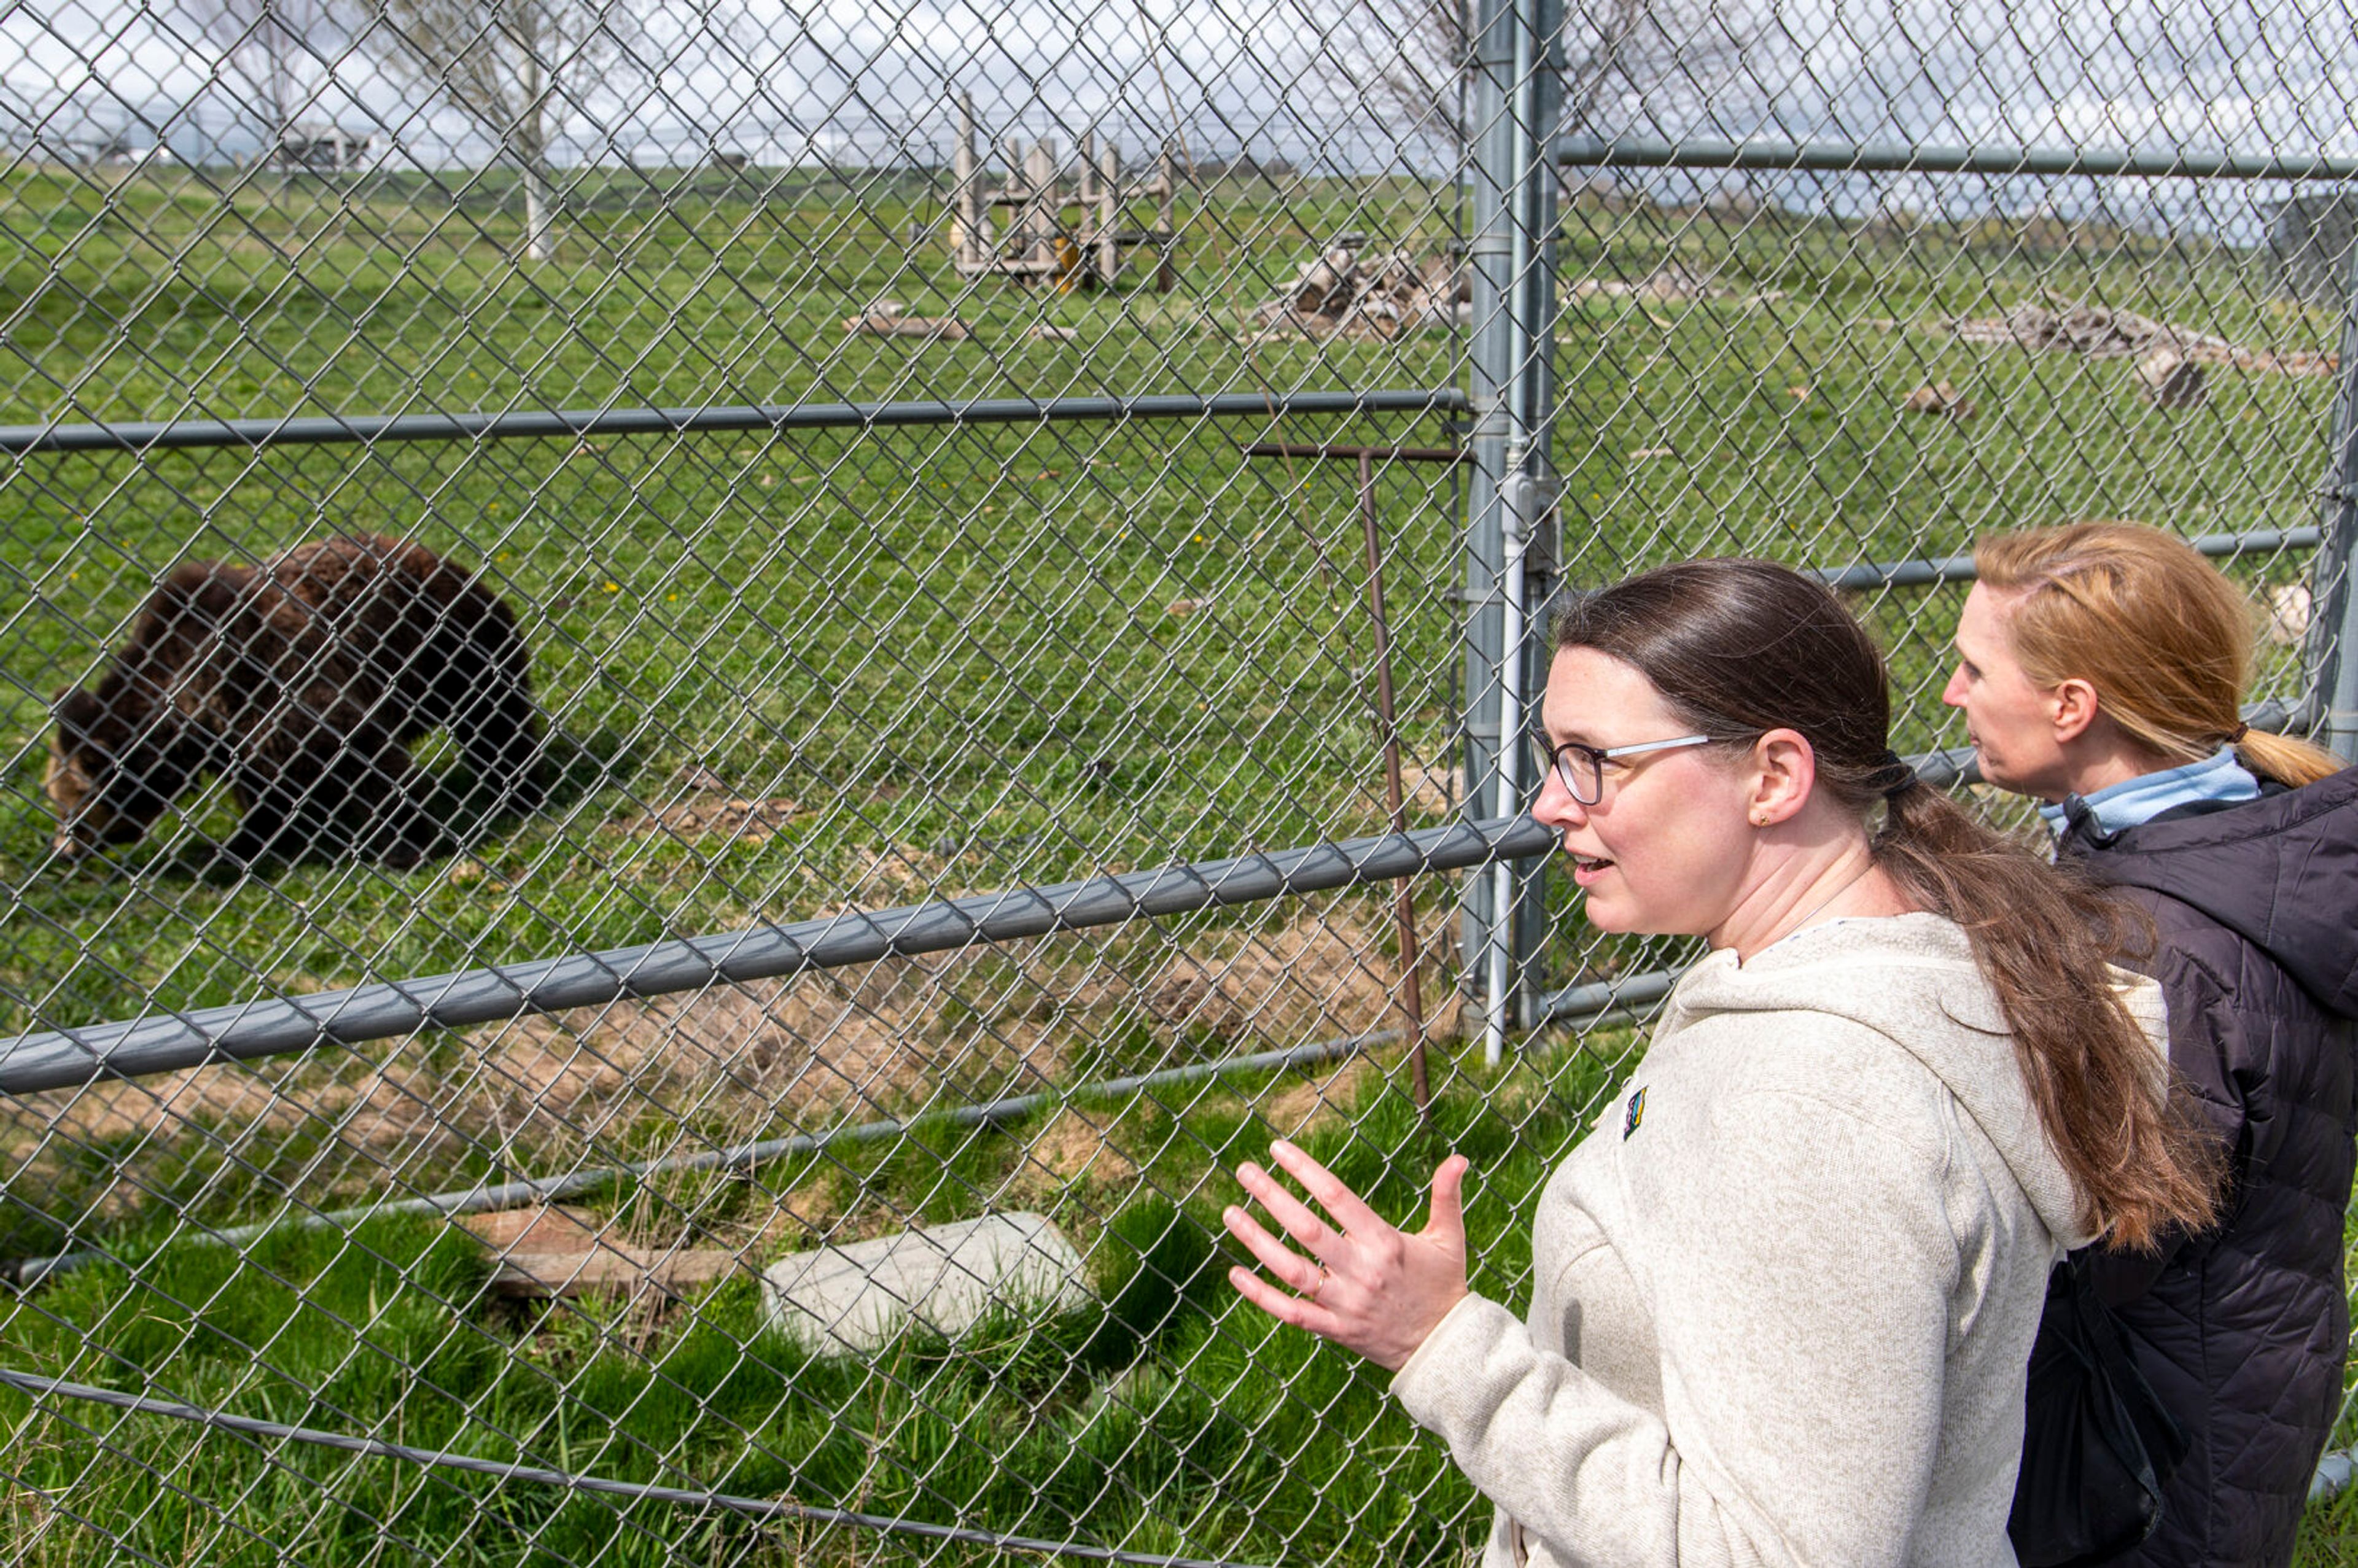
(301, 684)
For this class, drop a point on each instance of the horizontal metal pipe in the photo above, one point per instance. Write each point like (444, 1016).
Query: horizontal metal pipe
(2335, 1469)
(1947, 768)
(280, 1025)
(505, 1471)
(1606, 996)
(481, 1198)
(1336, 449)
(1960, 569)
(576, 423)
(1902, 158)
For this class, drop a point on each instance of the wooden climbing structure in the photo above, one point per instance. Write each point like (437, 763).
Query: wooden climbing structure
(1060, 229)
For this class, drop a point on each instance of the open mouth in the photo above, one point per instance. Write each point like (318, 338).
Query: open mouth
(1584, 867)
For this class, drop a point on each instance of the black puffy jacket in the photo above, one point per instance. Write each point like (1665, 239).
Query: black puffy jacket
(2243, 1330)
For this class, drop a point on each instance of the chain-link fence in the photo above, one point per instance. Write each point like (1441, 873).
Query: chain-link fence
(659, 659)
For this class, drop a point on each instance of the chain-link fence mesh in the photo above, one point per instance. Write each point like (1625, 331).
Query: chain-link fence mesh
(903, 572)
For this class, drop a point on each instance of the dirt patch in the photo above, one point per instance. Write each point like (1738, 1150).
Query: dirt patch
(1430, 791)
(1294, 1110)
(1303, 983)
(642, 1079)
(1073, 1148)
(393, 1105)
(706, 816)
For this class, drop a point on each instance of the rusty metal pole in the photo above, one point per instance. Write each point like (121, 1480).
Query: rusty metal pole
(1410, 997)
(1388, 737)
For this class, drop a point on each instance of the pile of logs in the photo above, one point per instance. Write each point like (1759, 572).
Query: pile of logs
(1348, 291)
(886, 318)
(2099, 331)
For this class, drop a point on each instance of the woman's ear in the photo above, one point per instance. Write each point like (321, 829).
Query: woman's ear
(2073, 705)
(1784, 770)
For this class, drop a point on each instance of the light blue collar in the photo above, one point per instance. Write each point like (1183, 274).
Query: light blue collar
(2141, 799)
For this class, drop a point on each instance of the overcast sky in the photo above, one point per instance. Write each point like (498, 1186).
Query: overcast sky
(855, 80)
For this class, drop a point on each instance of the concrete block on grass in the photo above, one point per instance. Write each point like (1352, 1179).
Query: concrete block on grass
(947, 1277)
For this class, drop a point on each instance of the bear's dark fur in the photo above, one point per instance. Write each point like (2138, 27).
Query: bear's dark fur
(302, 684)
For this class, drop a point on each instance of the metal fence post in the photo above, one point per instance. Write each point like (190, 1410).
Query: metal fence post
(2333, 618)
(1516, 91)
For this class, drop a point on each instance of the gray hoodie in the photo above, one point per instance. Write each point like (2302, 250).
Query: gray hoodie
(1783, 1294)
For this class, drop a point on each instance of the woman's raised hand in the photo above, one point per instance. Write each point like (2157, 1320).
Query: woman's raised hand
(1364, 1285)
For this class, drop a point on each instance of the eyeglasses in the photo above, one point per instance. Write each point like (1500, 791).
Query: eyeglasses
(1581, 769)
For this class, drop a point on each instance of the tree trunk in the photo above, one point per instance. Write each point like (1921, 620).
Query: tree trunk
(529, 141)
(539, 226)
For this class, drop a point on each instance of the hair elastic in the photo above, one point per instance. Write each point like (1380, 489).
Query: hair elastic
(2241, 730)
(1893, 762)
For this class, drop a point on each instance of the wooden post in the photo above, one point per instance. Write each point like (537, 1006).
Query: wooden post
(1108, 214)
(1015, 240)
(969, 241)
(1040, 214)
(1166, 222)
(1085, 192)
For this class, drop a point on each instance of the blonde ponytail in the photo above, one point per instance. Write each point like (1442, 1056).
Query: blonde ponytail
(2284, 759)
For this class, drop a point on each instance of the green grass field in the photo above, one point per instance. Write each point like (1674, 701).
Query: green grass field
(967, 637)
(943, 661)
(1171, 1420)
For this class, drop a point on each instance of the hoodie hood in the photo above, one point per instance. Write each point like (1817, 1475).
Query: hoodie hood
(1912, 979)
(2281, 873)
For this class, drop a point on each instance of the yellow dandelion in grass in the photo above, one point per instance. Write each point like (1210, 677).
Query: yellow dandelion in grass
(613, 588)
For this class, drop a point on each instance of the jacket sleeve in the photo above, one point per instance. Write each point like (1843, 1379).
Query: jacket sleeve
(2223, 1072)
(1801, 1299)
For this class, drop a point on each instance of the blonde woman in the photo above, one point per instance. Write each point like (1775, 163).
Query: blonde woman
(2101, 667)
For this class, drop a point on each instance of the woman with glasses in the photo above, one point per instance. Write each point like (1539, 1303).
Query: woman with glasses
(1783, 1296)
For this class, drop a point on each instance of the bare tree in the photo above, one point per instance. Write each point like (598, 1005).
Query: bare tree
(1408, 60)
(1660, 60)
(277, 53)
(512, 66)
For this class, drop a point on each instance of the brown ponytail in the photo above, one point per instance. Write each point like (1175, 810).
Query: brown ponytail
(2164, 638)
(1740, 646)
(2044, 937)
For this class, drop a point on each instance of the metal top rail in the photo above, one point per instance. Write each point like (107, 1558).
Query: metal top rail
(1924, 573)
(330, 429)
(1902, 158)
